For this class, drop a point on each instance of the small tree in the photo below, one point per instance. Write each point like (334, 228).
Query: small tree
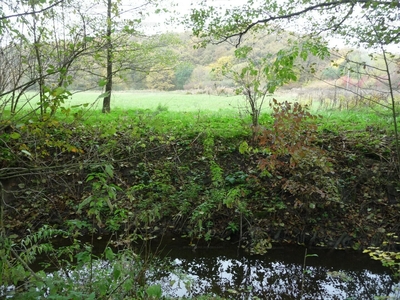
(259, 78)
(251, 82)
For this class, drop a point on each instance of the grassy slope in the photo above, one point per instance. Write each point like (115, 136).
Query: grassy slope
(173, 162)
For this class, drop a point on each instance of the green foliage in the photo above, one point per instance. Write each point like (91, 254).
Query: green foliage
(15, 257)
(154, 291)
(238, 177)
(251, 81)
(256, 77)
(220, 194)
(102, 195)
(54, 97)
(80, 273)
(283, 69)
(233, 227)
(211, 24)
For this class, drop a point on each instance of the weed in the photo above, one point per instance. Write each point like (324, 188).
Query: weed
(103, 193)
(232, 226)
(238, 177)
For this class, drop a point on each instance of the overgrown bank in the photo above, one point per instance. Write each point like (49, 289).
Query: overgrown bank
(145, 172)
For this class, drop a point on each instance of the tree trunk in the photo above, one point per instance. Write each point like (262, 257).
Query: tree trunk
(107, 99)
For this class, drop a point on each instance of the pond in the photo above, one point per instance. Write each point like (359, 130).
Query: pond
(224, 270)
(231, 273)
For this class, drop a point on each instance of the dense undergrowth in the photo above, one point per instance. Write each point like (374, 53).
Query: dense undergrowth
(329, 181)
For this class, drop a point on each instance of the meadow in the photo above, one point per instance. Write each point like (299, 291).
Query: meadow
(174, 101)
(188, 105)
(220, 107)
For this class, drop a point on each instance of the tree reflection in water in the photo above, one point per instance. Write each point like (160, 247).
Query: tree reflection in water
(276, 275)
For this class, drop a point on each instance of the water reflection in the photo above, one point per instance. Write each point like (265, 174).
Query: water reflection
(276, 275)
(231, 273)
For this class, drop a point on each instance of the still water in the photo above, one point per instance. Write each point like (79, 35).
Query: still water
(227, 271)
(231, 273)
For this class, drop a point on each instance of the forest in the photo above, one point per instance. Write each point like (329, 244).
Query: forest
(304, 150)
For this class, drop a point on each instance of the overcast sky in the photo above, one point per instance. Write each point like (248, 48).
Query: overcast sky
(182, 7)
(178, 8)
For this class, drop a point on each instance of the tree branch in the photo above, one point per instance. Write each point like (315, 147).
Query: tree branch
(324, 5)
(31, 12)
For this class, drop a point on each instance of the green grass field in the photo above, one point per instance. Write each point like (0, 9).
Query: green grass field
(173, 101)
(217, 108)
